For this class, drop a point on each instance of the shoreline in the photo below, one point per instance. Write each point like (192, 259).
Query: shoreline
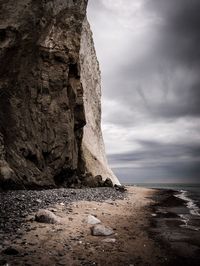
(176, 228)
(139, 218)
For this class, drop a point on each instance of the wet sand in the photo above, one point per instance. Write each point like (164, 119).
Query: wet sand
(170, 227)
(140, 237)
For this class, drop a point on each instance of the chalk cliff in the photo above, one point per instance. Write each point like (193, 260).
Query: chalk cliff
(93, 144)
(49, 90)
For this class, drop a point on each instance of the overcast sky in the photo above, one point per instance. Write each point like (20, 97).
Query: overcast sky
(149, 54)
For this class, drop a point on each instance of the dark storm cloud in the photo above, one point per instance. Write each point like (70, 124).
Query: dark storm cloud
(149, 53)
(170, 174)
(180, 45)
(139, 97)
(157, 153)
(181, 28)
(157, 161)
(169, 63)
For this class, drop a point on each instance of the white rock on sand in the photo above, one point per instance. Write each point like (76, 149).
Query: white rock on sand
(45, 216)
(101, 230)
(93, 220)
(109, 240)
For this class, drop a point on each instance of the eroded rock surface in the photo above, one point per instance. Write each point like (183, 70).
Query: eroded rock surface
(45, 48)
(93, 144)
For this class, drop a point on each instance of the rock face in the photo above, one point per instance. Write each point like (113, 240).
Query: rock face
(45, 47)
(93, 144)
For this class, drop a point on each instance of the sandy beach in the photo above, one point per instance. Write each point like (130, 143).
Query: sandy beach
(135, 240)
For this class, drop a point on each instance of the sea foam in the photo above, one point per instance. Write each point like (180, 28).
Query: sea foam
(190, 204)
(193, 209)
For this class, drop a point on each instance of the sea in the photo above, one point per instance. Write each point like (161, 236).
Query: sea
(178, 224)
(190, 193)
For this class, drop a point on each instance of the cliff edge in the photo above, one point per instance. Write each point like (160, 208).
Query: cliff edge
(49, 91)
(92, 144)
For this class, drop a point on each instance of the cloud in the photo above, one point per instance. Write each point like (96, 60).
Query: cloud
(153, 154)
(158, 162)
(180, 30)
(150, 59)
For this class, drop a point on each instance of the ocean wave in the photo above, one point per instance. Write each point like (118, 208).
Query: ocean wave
(193, 210)
(190, 203)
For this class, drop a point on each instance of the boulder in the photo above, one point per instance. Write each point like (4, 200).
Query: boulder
(90, 181)
(46, 216)
(108, 183)
(120, 188)
(101, 230)
(92, 220)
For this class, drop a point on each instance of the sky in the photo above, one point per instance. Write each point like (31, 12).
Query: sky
(149, 55)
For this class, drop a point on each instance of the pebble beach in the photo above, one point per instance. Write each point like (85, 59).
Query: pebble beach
(93, 226)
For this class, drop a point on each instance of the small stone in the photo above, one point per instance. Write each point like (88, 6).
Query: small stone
(45, 216)
(109, 240)
(38, 200)
(101, 230)
(93, 220)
